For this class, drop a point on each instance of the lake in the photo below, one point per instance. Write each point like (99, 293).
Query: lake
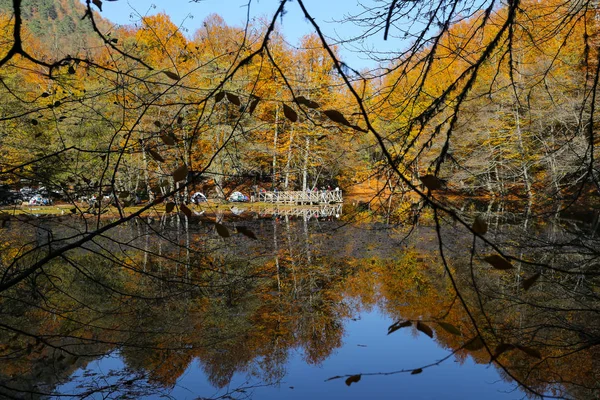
(270, 305)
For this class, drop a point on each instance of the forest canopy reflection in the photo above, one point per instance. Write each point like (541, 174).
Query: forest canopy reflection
(164, 293)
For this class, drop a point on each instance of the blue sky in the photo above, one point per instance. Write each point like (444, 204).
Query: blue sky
(191, 14)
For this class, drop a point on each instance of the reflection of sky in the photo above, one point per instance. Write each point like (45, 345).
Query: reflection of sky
(102, 367)
(367, 349)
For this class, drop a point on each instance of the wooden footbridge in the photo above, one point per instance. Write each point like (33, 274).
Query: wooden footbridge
(301, 197)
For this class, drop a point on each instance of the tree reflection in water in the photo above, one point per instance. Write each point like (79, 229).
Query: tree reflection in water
(164, 293)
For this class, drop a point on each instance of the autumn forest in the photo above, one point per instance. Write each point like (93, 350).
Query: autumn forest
(140, 255)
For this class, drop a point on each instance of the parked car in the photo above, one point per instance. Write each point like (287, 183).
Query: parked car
(9, 196)
(198, 198)
(27, 192)
(238, 197)
(52, 194)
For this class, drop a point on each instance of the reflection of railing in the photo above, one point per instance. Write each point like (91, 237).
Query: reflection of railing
(300, 197)
(324, 211)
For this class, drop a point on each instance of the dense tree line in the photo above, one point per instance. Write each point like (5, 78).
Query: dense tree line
(142, 124)
(236, 108)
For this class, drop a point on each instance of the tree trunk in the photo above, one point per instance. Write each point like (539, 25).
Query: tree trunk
(147, 176)
(524, 169)
(274, 173)
(305, 166)
(289, 159)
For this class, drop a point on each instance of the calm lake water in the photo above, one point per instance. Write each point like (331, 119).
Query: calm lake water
(313, 307)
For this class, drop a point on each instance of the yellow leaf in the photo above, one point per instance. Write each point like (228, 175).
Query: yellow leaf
(233, 98)
(431, 182)
(498, 262)
(253, 105)
(306, 102)
(155, 155)
(336, 116)
(180, 173)
(219, 96)
(167, 139)
(246, 232)
(397, 325)
(527, 283)
(502, 348)
(449, 328)
(185, 210)
(172, 75)
(222, 230)
(479, 226)
(425, 329)
(290, 113)
(352, 379)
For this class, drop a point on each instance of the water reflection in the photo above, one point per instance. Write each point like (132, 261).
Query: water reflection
(162, 296)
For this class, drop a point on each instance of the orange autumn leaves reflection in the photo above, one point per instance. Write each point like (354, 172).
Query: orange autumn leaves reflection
(548, 356)
(233, 316)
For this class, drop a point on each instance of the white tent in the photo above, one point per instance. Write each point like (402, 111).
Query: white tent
(198, 198)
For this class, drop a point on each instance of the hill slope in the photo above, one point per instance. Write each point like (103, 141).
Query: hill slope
(58, 26)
